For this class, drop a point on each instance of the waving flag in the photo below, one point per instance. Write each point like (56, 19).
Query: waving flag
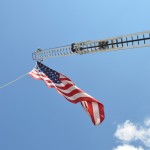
(69, 90)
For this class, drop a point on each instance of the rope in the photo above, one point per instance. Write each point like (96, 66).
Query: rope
(7, 84)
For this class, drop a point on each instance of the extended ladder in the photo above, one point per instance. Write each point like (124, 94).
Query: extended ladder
(136, 40)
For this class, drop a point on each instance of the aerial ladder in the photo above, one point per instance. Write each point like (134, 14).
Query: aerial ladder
(129, 41)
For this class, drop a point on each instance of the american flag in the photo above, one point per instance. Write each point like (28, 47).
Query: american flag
(69, 90)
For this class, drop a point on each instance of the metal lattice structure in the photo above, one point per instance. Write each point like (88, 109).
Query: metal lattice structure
(129, 41)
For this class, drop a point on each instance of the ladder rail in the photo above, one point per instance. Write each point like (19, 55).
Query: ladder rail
(128, 41)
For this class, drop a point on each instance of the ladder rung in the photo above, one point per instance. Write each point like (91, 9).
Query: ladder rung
(136, 40)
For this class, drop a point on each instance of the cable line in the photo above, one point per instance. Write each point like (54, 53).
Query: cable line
(7, 84)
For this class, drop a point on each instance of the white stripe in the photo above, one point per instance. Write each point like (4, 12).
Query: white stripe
(45, 78)
(85, 106)
(50, 83)
(64, 83)
(74, 88)
(36, 72)
(69, 89)
(35, 76)
(96, 113)
(76, 96)
(61, 76)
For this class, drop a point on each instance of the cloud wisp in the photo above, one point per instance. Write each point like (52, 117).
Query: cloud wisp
(127, 147)
(130, 132)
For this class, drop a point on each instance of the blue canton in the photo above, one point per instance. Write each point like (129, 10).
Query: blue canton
(50, 73)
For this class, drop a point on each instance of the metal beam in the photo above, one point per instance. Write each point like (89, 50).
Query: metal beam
(129, 41)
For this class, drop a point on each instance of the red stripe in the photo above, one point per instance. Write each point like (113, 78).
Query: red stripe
(33, 76)
(67, 86)
(101, 112)
(71, 93)
(90, 110)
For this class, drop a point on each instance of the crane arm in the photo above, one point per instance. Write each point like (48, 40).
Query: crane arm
(136, 40)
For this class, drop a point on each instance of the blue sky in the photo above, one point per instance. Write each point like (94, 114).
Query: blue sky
(35, 117)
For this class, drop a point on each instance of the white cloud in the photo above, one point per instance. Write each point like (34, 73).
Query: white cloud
(129, 132)
(126, 132)
(147, 122)
(128, 147)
